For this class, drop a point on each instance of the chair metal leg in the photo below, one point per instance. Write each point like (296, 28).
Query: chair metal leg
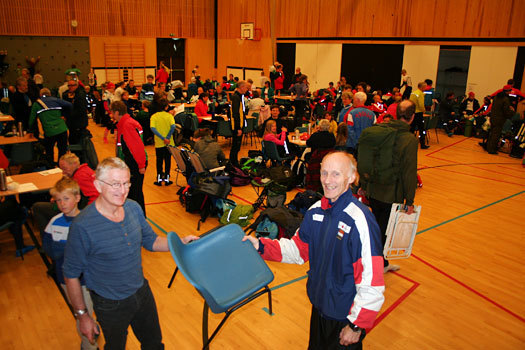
(173, 276)
(269, 299)
(205, 341)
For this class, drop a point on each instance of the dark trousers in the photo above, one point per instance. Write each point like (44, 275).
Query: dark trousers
(236, 147)
(496, 126)
(381, 211)
(135, 191)
(300, 106)
(163, 158)
(419, 124)
(324, 334)
(49, 143)
(75, 136)
(138, 310)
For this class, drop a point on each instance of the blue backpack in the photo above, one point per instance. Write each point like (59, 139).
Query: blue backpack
(267, 228)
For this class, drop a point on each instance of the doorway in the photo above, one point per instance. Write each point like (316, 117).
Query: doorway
(452, 70)
(172, 52)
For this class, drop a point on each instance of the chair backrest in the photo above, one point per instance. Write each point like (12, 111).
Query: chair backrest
(177, 155)
(219, 263)
(196, 162)
(433, 122)
(270, 150)
(21, 153)
(224, 129)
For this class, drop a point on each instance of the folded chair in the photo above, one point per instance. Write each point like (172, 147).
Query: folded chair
(227, 272)
(182, 167)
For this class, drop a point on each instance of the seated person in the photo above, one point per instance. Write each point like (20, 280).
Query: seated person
(255, 104)
(322, 138)
(275, 112)
(340, 138)
(333, 124)
(385, 118)
(270, 134)
(208, 149)
(447, 114)
(147, 92)
(201, 108)
(10, 210)
(469, 105)
(192, 88)
(130, 104)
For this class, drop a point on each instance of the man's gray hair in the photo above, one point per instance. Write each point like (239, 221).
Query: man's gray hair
(360, 96)
(108, 164)
(324, 125)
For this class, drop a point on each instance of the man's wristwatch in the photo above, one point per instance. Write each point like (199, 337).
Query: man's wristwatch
(354, 327)
(79, 313)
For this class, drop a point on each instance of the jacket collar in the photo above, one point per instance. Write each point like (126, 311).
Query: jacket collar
(343, 199)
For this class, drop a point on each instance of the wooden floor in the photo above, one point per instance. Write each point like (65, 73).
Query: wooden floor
(463, 287)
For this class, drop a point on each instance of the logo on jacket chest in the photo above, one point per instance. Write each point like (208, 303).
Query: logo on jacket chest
(342, 229)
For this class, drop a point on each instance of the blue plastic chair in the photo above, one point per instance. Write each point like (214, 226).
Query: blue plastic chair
(227, 272)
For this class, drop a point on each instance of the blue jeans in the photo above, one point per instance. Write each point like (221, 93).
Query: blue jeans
(138, 310)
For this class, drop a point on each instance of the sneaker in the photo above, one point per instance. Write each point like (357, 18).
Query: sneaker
(391, 268)
(167, 181)
(424, 147)
(159, 180)
(25, 250)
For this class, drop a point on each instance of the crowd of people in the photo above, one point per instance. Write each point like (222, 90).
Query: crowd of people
(95, 232)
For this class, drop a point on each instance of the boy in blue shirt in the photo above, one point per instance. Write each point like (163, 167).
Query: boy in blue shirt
(66, 194)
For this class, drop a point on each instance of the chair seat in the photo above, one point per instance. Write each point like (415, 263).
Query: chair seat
(224, 269)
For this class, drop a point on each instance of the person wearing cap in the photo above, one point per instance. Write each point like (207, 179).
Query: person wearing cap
(77, 121)
(501, 111)
(469, 105)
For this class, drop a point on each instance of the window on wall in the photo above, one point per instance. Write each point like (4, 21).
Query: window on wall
(124, 62)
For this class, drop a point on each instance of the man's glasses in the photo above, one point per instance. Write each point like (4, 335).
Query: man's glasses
(117, 185)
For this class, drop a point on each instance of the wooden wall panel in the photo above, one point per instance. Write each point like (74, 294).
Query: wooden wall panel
(400, 18)
(182, 18)
(231, 13)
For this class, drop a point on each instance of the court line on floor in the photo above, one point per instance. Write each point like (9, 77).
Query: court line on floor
(172, 201)
(470, 212)
(464, 285)
(396, 303)
(469, 165)
(447, 146)
(476, 167)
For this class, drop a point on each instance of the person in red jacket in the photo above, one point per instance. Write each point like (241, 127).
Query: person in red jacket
(81, 173)
(162, 73)
(201, 108)
(130, 148)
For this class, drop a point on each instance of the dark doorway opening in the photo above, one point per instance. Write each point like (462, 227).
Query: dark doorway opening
(286, 56)
(452, 70)
(172, 52)
(377, 65)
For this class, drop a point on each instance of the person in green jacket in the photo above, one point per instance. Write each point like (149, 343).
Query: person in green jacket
(403, 190)
(51, 112)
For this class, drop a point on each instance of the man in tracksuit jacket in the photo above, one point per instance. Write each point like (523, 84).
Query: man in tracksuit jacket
(238, 120)
(51, 112)
(134, 155)
(341, 239)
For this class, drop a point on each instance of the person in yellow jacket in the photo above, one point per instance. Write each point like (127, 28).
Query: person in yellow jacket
(418, 97)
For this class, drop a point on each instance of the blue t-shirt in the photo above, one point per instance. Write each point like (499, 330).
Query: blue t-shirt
(109, 253)
(54, 241)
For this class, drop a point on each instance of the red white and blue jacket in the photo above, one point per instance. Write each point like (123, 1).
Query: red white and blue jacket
(342, 241)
